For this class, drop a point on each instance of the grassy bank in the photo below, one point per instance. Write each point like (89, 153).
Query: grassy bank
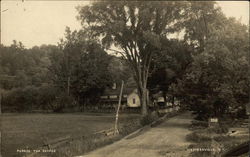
(213, 141)
(86, 144)
(30, 131)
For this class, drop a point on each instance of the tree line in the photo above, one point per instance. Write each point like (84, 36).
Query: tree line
(53, 77)
(206, 67)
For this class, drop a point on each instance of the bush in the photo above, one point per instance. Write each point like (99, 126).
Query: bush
(63, 101)
(20, 99)
(223, 138)
(149, 118)
(29, 98)
(198, 136)
(129, 127)
(219, 129)
(195, 124)
(46, 97)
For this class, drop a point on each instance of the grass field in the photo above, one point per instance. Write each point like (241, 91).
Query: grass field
(21, 131)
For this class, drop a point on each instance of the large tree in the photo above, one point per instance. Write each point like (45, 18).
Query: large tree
(168, 66)
(135, 28)
(218, 78)
(81, 67)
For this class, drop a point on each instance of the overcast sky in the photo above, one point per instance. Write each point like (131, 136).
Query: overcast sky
(43, 22)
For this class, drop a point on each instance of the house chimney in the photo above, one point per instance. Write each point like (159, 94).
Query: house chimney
(114, 86)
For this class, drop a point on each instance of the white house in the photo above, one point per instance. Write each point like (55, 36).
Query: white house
(130, 96)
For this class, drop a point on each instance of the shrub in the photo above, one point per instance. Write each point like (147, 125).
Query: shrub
(63, 101)
(223, 138)
(29, 98)
(198, 125)
(20, 99)
(129, 127)
(198, 136)
(219, 129)
(47, 96)
(149, 118)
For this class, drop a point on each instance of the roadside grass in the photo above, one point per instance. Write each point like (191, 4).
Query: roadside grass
(199, 136)
(214, 141)
(85, 144)
(30, 131)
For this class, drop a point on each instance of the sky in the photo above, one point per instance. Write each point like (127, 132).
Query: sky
(44, 22)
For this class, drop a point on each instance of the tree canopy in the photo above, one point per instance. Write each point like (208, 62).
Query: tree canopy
(81, 66)
(134, 27)
(218, 79)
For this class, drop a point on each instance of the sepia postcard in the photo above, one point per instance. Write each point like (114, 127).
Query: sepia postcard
(124, 78)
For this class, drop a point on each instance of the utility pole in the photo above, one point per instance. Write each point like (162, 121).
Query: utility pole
(116, 131)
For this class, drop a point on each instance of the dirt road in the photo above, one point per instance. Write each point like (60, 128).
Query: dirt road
(165, 140)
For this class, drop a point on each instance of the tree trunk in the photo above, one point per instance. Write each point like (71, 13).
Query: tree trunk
(68, 85)
(164, 94)
(144, 109)
(173, 100)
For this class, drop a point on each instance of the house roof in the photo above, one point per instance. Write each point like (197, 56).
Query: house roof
(126, 90)
(116, 92)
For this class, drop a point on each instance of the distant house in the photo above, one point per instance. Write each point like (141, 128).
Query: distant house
(170, 105)
(248, 108)
(130, 96)
(159, 100)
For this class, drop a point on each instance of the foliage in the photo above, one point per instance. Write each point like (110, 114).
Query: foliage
(168, 66)
(24, 77)
(20, 67)
(149, 119)
(218, 79)
(198, 125)
(197, 136)
(29, 98)
(119, 70)
(207, 69)
(63, 101)
(81, 67)
(134, 27)
(34, 76)
(24, 97)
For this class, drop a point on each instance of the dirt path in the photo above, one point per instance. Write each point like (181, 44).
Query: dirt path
(165, 140)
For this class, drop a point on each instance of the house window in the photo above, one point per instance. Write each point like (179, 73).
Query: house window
(113, 96)
(104, 97)
(133, 100)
